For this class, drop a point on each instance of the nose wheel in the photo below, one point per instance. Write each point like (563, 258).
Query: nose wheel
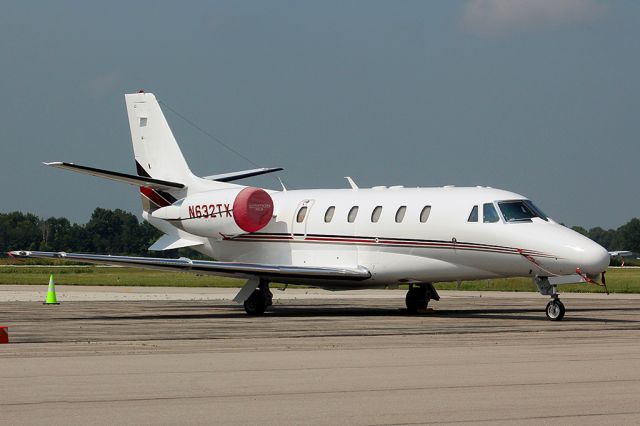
(555, 310)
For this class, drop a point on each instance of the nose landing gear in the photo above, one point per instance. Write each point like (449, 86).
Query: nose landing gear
(555, 309)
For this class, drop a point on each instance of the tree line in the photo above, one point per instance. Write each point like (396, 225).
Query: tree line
(108, 231)
(120, 232)
(626, 237)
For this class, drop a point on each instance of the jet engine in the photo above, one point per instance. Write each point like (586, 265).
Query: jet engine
(221, 212)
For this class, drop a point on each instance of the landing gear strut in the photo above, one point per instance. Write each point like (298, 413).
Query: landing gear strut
(418, 298)
(259, 300)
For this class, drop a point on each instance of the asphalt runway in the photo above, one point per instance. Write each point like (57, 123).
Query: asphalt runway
(318, 358)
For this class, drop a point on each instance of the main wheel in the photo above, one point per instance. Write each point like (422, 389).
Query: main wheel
(555, 310)
(416, 300)
(256, 304)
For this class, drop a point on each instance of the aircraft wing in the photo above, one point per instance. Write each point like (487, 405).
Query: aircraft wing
(230, 269)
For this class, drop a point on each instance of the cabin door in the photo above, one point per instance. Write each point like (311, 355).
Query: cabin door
(300, 219)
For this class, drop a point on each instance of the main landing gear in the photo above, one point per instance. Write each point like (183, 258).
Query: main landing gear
(418, 297)
(555, 308)
(260, 299)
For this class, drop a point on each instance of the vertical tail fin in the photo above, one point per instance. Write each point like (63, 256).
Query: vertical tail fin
(155, 148)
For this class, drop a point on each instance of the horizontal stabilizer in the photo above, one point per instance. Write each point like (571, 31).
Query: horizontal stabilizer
(229, 177)
(228, 269)
(170, 242)
(117, 176)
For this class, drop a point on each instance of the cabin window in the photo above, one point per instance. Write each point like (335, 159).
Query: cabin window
(424, 214)
(301, 214)
(400, 214)
(352, 214)
(329, 214)
(375, 215)
(489, 213)
(473, 216)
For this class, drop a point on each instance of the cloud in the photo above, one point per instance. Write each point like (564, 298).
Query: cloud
(500, 16)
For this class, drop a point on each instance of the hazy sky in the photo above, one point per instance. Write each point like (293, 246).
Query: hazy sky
(538, 97)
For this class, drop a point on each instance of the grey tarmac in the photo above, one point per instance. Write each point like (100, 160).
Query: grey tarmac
(315, 358)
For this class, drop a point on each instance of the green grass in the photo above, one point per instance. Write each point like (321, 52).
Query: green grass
(618, 280)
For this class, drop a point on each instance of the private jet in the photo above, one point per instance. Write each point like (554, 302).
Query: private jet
(337, 239)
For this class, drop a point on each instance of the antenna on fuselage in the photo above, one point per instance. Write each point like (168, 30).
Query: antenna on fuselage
(284, 189)
(352, 183)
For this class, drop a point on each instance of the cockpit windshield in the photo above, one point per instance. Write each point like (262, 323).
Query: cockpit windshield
(520, 211)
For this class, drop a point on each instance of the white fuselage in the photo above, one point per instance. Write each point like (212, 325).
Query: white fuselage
(435, 244)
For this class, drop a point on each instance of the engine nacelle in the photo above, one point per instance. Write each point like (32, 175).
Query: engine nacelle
(222, 212)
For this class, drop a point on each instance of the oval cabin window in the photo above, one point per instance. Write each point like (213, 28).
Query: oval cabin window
(329, 214)
(352, 214)
(424, 214)
(375, 215)
(301, 214)
(400, 214)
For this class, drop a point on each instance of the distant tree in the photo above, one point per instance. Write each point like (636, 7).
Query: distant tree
(629, 236)
(19, 231)
(580, 230)
(117, 231)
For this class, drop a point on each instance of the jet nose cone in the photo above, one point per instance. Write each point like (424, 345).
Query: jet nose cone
(597, 259)
(579, 252)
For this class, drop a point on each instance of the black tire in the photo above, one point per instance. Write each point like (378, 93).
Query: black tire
(555, 310)
(416, 300)
(256, 304)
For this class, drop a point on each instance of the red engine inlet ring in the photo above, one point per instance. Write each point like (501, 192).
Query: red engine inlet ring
(252, 209)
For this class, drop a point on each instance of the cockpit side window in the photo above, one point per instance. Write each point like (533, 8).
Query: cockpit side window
(520, 211)
(473, 216)
(489, 213)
